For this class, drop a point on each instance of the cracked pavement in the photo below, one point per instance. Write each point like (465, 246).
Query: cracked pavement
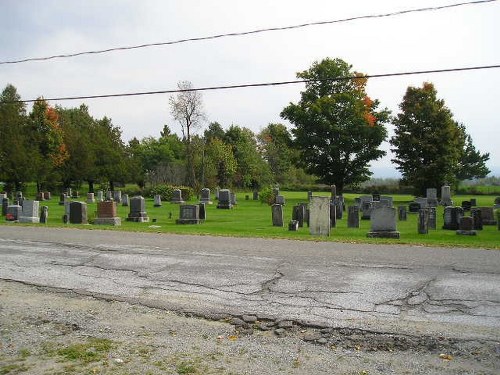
(378, 288)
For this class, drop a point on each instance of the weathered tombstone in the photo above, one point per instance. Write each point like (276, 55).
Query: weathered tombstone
(47, 196)
(306, 212)
(39, 196)
(363, 199)
(233, 199)
(138, 210)
(413, 207)
(44, 215)
(333, 192)
(319, 216)
(100, 195)
(473, 202)
(177, 196)
(466, 206)
(452, 217)
(277, 215)
(293, 225)
(383, 223)
(109, 195)
(69, 192)
(30, 212)
(280, 199)
(90, 198)
(402, 216)
(353, 217)
(431, 195)
(117, 196)
(13, 212)
(106, 214)
(203, 212)
(423, 221)
(422, 202)
(78, 213)
(5, 204)
(488, 215)
(333, 215)
(255, 196)
(205, 196)
(385, 202)
(125, 200)
(366, 209)
(432, 214)
(446, 196)
(476, 215)
(66, 211)
(157, 200)
(466, 226)
(224, 199)
(298, 214)
(189, 214)
(62, 199)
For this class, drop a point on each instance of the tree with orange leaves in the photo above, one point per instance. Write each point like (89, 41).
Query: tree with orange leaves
(337, 127)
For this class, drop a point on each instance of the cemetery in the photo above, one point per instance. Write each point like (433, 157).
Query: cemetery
(318, 216)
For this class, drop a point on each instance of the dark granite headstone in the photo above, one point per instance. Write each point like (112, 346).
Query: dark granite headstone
(423, 221)
(466, 226)
(414, 207)
(13, 212)
(402, 216)
(293, 225)
(353, 217)
(466, 206)
(44, 215)
(5, 204)
(138, 210)
(333, 215)
(203, 212)
(224, 199)
(189, 214)
(432, 223)
(78, 213)
(477, 217)
(277, 215)
(298, 214)
(452, 217)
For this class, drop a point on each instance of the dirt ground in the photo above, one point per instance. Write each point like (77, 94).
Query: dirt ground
(52, 332)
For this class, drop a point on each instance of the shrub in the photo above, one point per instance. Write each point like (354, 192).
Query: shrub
(166, 192)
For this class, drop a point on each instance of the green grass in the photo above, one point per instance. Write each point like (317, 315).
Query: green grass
(253, 219)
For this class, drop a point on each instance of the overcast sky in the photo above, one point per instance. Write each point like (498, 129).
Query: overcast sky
(458, 37)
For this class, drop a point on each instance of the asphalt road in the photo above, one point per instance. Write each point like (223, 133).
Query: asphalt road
(381, 288)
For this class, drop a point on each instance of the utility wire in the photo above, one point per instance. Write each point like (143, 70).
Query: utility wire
(114, 49)
(247, 85)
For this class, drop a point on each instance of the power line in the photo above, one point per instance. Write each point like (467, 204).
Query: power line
(247, 85)
(114, 49)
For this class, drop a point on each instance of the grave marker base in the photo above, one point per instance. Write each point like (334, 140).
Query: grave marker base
(384, 234)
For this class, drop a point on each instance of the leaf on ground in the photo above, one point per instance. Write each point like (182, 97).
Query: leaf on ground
(446, 357)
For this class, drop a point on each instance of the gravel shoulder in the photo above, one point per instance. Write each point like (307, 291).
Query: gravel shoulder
(44, 331)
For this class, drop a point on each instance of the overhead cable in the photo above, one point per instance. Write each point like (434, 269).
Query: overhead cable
(247, 85)
(124, 48)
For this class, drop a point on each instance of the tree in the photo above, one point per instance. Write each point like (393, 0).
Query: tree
(187, 109)
(337, 127)
(428, 143)
(16, 165)
(472, 164)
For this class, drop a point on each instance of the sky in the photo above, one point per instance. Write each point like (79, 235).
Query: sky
(450, 38)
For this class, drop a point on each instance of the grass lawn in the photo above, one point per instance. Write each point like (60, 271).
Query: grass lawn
(253, 219)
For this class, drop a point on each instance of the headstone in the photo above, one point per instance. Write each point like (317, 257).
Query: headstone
(298, 214)
(306, 212)
(333, 215)
(125, 200)
(138, 210)
(452, 217)
(90, 198)
(422, 202)
(280, 199)
(177, 196)
(277, 215)
(5, 204)
(293, 225)
(117, 196)
(366, 209)
(383, 223)
(109, 195)
(106, 214)
(476, 215)
(224, 199)
(78, 213)
(466, 206)
(353, 217)
(413, 207)
(385, 202)
(44, 215)
(69, 192)
(205, 196)
(40, 196)
(487, 215)
(62, 199)
(423, 221)
(431, 195)
(100, 195)
(233, 199)
(432, 214)
(47, 196)
(446, 196)
(309, 195)
(363, 199)
(157, 200)
(203, 212)
(30, 212)
(333, 192)
(189, 214)
(75, 194)
(13, 213)
(319, 216)
(217, 192)
(473, 202)
(466, 226)
(255, 196)
(402, 213)
(19, 196)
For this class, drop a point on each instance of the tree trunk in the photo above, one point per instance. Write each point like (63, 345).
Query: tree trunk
(91, 186)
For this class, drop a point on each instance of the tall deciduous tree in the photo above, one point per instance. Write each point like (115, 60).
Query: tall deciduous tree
(472, 163)
(187, 108)
(337, 127)
(430, 148)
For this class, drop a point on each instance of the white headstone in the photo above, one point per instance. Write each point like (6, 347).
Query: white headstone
(319, 216)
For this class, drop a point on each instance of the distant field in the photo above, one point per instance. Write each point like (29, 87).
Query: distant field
(253, 219)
